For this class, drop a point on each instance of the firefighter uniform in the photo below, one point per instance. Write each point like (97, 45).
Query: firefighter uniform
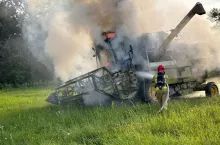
(160, 80)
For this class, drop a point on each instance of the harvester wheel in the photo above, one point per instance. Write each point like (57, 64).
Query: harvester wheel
(211, 89)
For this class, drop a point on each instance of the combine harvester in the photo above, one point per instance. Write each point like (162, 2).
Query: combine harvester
(119, 82)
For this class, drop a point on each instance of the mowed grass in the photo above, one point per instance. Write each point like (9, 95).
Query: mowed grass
(26, 119)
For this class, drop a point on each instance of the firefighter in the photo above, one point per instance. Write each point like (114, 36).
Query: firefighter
(159, 81)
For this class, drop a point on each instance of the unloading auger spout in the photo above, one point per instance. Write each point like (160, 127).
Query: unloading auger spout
(197, 9)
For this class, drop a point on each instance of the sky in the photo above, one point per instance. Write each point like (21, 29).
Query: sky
(208, 4)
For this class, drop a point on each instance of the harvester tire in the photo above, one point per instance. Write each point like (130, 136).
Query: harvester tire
(211, 89)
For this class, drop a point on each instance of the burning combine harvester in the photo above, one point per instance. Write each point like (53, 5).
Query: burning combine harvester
(123, 78)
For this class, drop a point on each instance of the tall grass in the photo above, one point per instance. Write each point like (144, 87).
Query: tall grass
(25, 118)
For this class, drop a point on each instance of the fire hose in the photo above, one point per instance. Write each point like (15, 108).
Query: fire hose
(167, 98)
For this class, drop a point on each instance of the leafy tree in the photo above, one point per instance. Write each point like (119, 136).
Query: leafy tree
(215, 15)
(17, 64)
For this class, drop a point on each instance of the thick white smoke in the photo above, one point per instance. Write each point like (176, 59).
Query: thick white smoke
(71, 26)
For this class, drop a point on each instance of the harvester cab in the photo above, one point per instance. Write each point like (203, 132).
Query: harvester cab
(114, 56)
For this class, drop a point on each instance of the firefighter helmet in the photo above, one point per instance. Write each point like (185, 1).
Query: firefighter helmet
(161, 68)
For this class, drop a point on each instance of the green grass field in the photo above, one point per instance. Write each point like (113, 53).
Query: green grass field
(26, 119)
